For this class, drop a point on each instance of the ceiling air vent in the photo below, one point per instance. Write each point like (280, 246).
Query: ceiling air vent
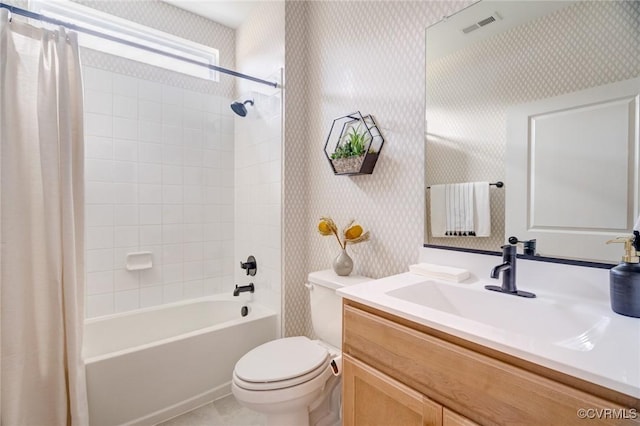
(481, 23)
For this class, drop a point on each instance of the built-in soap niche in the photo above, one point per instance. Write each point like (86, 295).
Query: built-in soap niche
(353, 144)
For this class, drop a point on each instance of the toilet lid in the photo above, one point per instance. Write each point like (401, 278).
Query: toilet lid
(281, 359)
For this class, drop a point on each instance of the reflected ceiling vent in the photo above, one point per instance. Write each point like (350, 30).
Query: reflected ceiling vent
(483, 22)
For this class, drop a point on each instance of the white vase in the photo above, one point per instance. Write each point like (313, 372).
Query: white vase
(343, 264)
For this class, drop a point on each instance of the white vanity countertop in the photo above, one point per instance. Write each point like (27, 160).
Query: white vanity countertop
(605, 349)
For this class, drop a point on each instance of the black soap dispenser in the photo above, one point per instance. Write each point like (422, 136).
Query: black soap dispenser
(624, 279)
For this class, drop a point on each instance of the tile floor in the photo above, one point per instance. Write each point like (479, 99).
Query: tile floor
(223, 412)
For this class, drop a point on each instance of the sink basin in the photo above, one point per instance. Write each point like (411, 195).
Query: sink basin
(567, 325)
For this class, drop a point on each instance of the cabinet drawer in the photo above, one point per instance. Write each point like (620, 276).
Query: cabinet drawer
(485, 390)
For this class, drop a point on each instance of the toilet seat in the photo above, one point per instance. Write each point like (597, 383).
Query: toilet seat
(282, 384)
(281, 363)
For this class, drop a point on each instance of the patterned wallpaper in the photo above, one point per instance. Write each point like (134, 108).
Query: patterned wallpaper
(260, 46)
(471, 90)
(295, 232)
(334, 67)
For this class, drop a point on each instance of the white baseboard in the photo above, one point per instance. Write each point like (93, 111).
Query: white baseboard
(182, 407)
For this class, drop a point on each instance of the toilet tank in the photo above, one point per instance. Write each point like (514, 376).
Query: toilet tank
(326, 305)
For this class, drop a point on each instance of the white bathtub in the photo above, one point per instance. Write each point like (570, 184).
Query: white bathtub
(149, 365)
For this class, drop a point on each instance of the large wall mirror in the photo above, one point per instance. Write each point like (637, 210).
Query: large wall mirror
(542, 95)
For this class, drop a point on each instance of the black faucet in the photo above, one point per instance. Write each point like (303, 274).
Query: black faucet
(508, 269)
(250, 288)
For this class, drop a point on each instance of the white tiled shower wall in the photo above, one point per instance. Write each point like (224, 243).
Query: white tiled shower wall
(258, 160)
(159, 178)
(258, 196)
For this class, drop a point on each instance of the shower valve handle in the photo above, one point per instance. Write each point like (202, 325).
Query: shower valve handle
(250, 265)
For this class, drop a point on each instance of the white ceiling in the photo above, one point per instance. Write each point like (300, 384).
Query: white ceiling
(446, 36)
(231, 13)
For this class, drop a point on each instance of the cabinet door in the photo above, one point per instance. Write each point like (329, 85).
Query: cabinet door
(449, 418)
(372, 398)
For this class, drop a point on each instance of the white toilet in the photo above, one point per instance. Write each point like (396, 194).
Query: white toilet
(296, 381)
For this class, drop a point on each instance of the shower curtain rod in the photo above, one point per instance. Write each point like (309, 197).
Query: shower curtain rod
(74, 27)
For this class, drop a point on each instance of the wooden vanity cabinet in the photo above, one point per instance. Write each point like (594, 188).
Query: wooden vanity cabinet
(373, 398)
(396, 372)
(449, 418)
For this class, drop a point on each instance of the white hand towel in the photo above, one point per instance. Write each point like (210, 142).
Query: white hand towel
(482, 209)
(437, 211)
(431, 270)
(460, 209)
(459, 202)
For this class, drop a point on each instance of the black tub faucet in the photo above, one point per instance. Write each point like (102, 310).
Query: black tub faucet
(508, 269)
(241, 289)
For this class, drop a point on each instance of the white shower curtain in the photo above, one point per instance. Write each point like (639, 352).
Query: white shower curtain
(42, 217)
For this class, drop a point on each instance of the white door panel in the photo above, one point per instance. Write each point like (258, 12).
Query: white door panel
(572, 170)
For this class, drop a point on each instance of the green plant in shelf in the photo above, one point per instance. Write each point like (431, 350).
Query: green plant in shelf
(353, 146)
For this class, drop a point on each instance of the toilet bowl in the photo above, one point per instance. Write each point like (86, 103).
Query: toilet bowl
(288, 376)
(295, 380)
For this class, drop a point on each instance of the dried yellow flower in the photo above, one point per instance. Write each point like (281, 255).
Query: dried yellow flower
(360, 239)
(327, 226)
(353, 232)
(324, 228)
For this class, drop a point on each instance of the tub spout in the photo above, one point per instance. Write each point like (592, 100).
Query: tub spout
(241, 289)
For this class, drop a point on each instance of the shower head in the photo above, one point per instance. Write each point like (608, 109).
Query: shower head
(240, 108)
